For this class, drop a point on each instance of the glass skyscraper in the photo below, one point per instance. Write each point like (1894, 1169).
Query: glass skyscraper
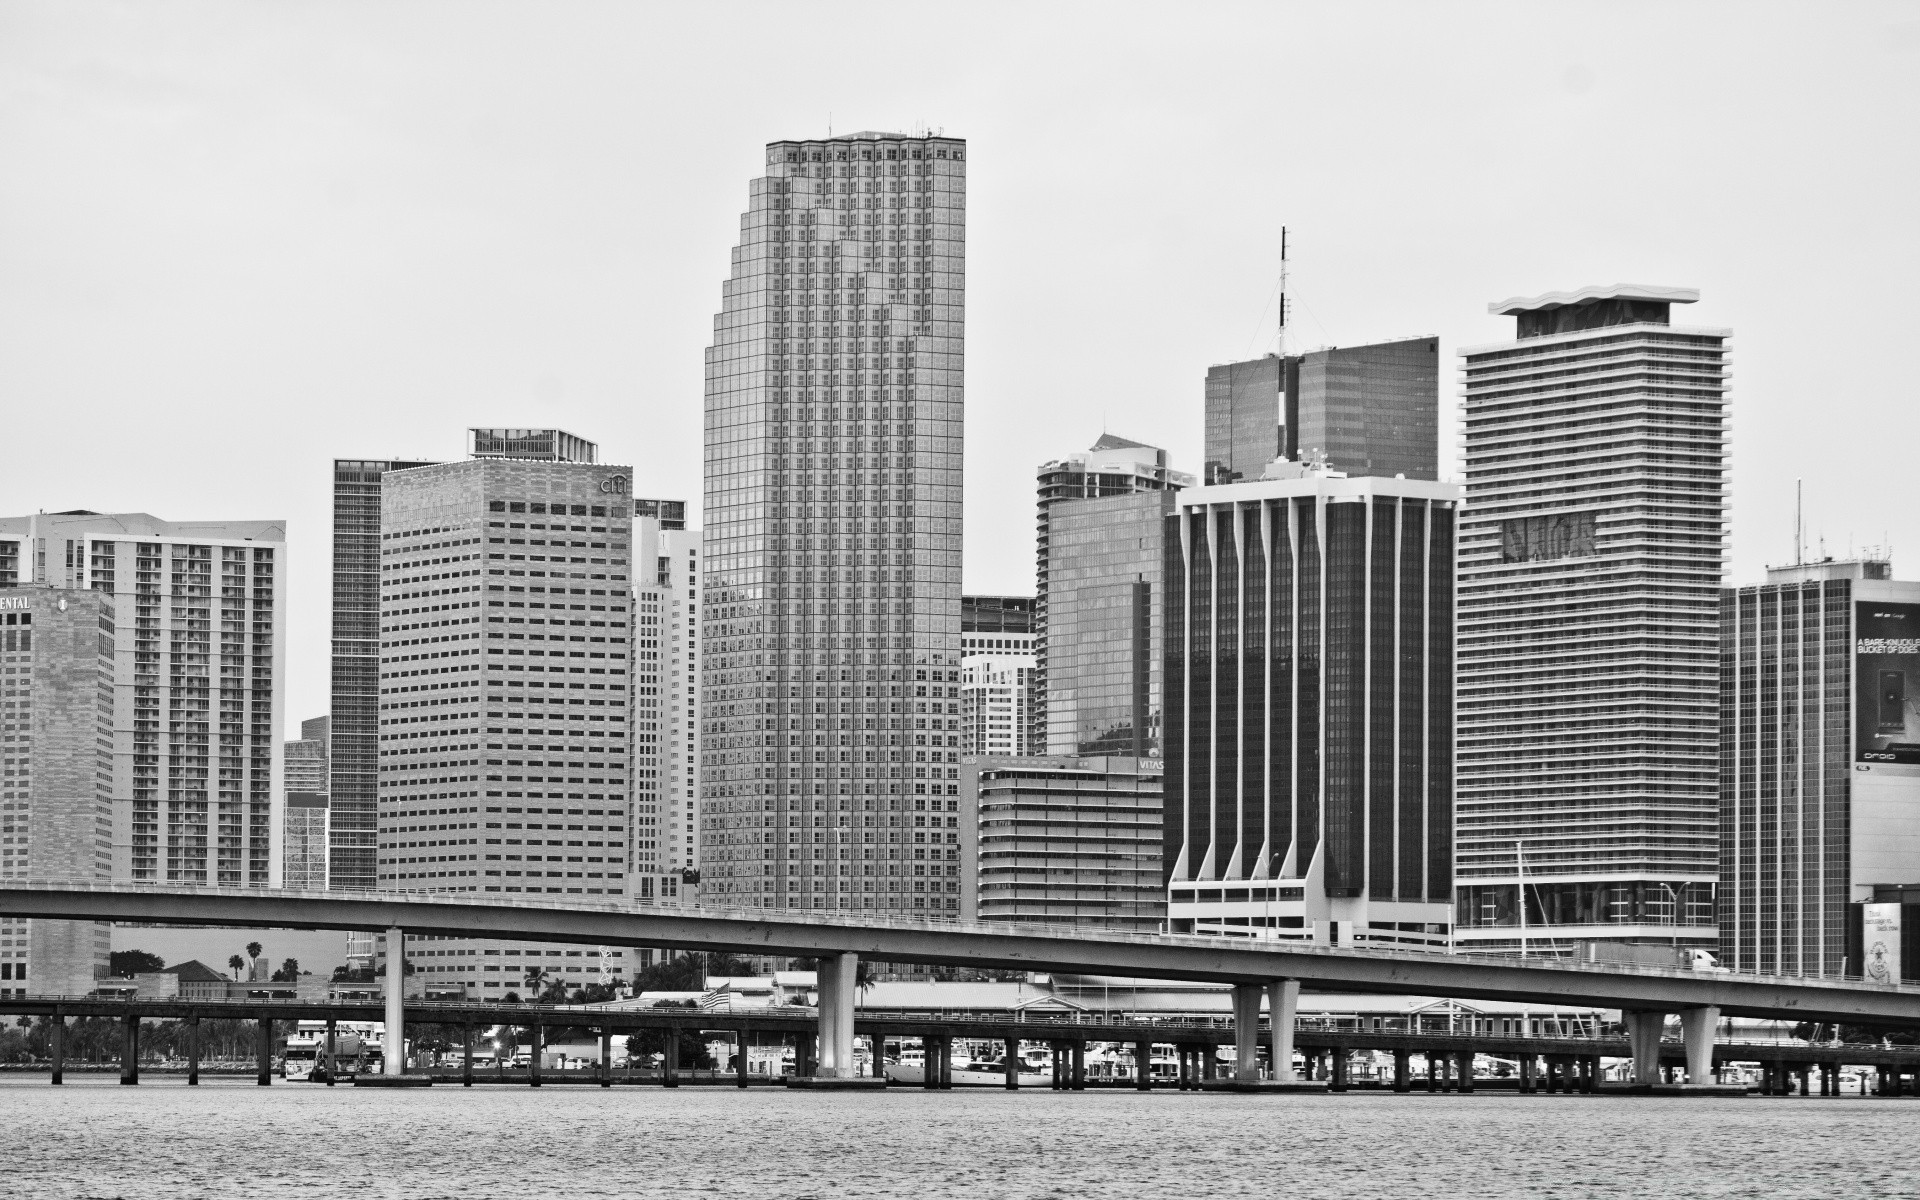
(1590, 563)
(831, 673)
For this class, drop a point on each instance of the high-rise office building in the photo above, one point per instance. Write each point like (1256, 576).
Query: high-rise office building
(304, 843)
(1309, 761)
(353, 749)
(996, 623)
(1590, 561)
(1067, 841)
(666, 768)
(506, 698)
(830, 686)
(1100, 553)
(305, 764)
(996, 687)
(199, 683)
(1368, 410)
(1819, 762)
(58, 658)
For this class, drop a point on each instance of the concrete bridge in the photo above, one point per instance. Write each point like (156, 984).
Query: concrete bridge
(1256, 970)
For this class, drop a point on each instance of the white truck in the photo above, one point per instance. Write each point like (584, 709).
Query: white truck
(1629, 954)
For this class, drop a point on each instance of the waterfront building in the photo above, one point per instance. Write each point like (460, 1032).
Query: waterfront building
(1369, 410)
(304, 843)
(665, 856)
(1064, 840)
(1309, 710)
(995, 689)
(1820, 762)
(57, 667)
(198, 688)
(1101, 516)
(353, 745)
(1590, 565)
(831, 672)
(505, 695)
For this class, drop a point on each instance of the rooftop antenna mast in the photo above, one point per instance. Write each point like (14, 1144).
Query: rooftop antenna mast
(1280, 337)
(1799, 523)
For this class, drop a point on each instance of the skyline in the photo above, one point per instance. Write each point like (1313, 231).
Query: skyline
(230, 238)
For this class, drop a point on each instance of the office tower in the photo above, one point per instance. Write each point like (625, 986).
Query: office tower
(1309, 762)
(1820, 761)
(1067, 841)
(1590, 559)
(1368, 410)
(304, 843)
(1096, 619)
(996, 687)
(506, 693)
(57, 652)
(996, 623)
(353, 749)
(199, 682)
(666, 766)
(306, 762)
(832, 568)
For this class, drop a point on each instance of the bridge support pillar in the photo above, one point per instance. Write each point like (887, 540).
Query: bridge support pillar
(1643, 1040)
(533, 1061)
(56, 1046)
(130, 1050)
(263, 1050)
(333, 1044)
(1338, 1082)
(1433, 1072)
(193, 1052)
(1079, 1080)
(837, 973)
(1466, 1071)
(1697, 1026)
(1800, 1074)
(394, 1034)
(1403, 1071)
(606, 1057)
(466, 1055)
(740, 1064)
(1010, 1065)
(946, 1064)
(1525, 1070)
(877, 1044)
(1283, 1005)
(1143, 1066)
(1246, 1033)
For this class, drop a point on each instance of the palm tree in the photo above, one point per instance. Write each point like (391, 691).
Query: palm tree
(235, 963)
(535, 978)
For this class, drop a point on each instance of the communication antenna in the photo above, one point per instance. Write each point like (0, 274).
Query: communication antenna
(1280, 337)
(1799, 523)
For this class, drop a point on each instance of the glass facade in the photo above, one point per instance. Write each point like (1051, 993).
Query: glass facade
(831, 680)
(354, 754)
(1368, 410)
(1589, 693)
(1309, 730)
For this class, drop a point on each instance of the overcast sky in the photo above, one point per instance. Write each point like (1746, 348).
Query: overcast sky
(239, 240)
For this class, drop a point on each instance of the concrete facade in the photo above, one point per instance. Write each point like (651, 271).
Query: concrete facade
(56, 793)
(665, 859)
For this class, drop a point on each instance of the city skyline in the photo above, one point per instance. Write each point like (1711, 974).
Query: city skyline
(414, 315)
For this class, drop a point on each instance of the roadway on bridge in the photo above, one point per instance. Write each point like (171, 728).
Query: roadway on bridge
(978, 945)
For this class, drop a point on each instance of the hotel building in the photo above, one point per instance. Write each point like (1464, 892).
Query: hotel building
(57, 665)
(198, 682)
(831, 674)
(1097, 620)
(1819, 763)
(1589, 678)
(1309, 711)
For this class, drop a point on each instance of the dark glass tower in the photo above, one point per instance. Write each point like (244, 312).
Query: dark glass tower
(1309, 710)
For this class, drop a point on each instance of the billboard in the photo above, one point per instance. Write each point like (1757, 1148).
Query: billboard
(1880, 942)
(1886, 682)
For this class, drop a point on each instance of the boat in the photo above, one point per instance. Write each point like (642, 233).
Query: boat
(910, 1069)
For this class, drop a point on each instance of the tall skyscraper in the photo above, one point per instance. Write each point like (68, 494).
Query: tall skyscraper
(1369, 410)
(198, 688)
(306, 759)
(666, 768)
(1820, 761)
(506, 699)
(57, 651)
(830, 686)
(1309, 764)
(353, 750)
(1590, 561)
(1100, 553)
